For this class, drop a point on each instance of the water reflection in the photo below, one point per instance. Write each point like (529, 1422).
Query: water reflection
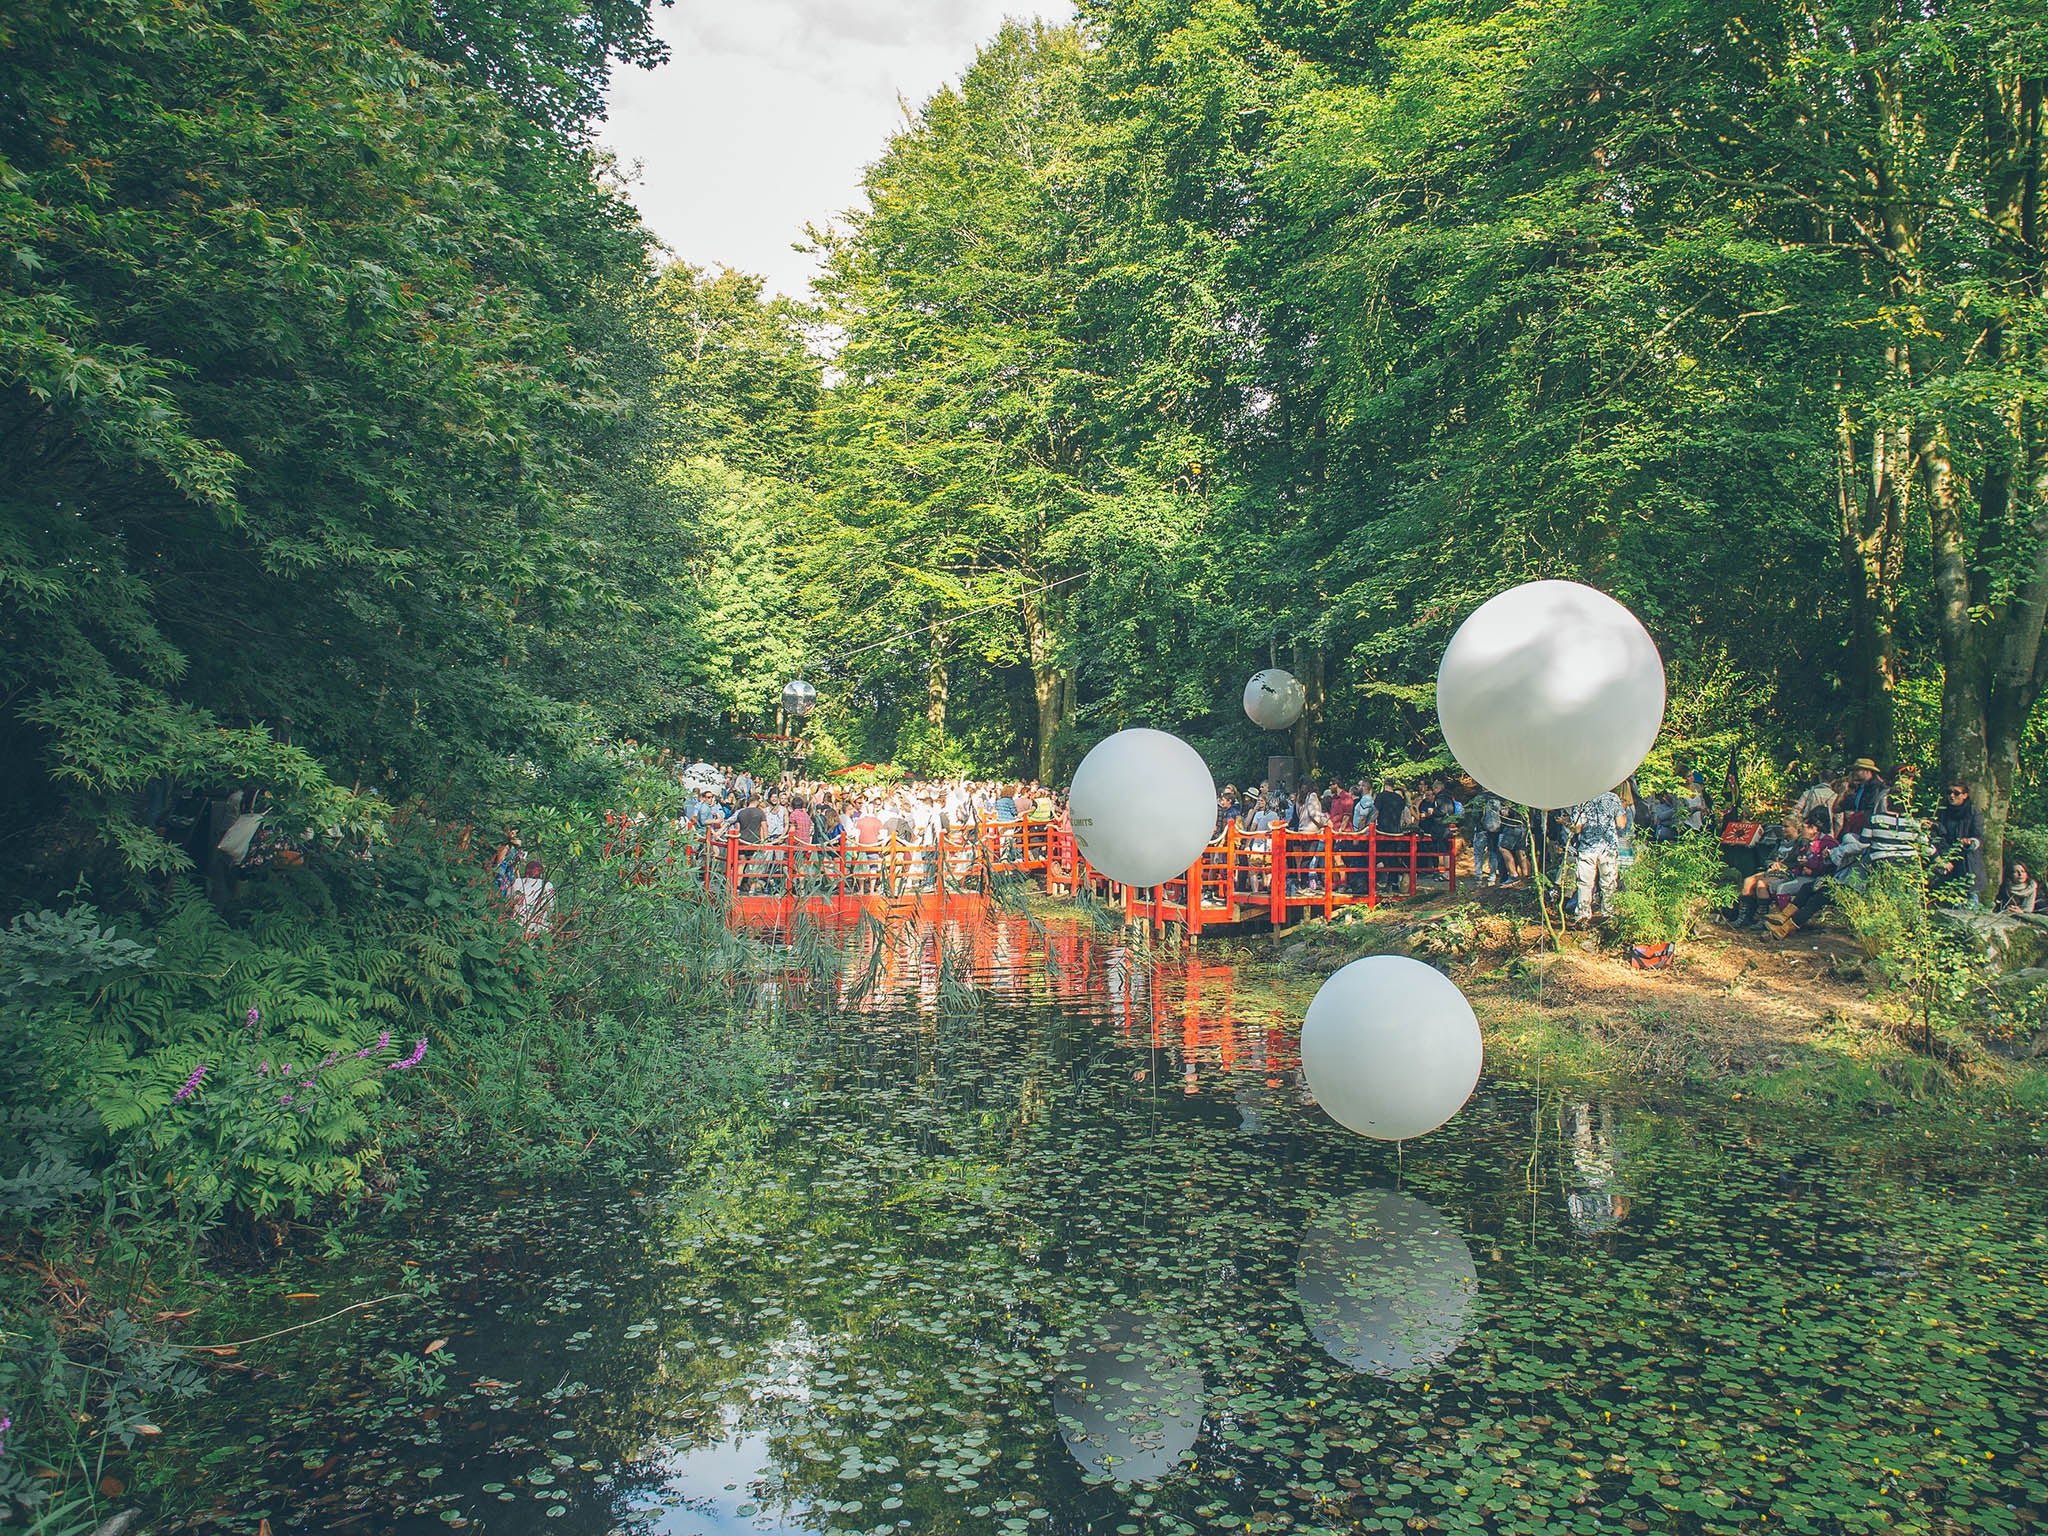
(865, 1323)
(1129, 1398)
(1386, 1285)
(1596, 1196)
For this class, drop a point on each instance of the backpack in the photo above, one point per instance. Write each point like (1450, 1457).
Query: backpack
(1489, 815)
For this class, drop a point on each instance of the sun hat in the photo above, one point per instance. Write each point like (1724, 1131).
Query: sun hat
(1867, 763)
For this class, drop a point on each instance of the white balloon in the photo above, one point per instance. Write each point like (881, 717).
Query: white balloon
(799, 698)
(1274, 699)
(1385, 1284)
(1129, 1399)
(1143, 807)
(1391, 1047)
(1550, 693)
(699, 777)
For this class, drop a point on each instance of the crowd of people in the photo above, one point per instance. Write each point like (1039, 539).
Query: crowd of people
(1843, 825)
(1837, 828)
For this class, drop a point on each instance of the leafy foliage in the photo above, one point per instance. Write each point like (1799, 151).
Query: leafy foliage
(1669, 889)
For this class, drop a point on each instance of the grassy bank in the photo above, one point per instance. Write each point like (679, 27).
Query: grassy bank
(191, 1086)
(1807, 1022)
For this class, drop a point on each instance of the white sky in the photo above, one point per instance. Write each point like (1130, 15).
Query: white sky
(769, 110)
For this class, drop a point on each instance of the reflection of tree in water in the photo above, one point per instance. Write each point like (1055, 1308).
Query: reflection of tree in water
(1386, 1284)
(1129, 1398)
(875, 1307)
(1594, 1193)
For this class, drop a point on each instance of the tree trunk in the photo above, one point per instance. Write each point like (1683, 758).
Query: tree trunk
(1872, 502)
(936, 691)
(1048, 689)
(1308, 671)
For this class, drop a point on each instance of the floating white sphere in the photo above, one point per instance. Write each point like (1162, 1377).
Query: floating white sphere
(1142, 806)
(1129, 1399)
(799, 698)
(1385, 1284)
(699, 778)
(1274, 699)
(1391, 1047)
(1550, 693)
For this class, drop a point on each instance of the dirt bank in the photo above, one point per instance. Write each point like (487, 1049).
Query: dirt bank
(1744, 1014)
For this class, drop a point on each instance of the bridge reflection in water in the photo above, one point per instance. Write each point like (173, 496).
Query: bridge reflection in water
(1166, 1001)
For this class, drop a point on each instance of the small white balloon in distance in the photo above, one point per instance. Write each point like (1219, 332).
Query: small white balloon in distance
(702, 778)
(1550, 693)
(1274, 699)
(799, 698)
(1128, 1396)
(1142, 806)
(1386, 1285)
(1391, 1048)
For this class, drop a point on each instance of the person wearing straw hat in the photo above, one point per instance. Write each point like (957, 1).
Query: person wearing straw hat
(1865, 797)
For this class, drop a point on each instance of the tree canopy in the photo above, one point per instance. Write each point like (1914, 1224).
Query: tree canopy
(354, 433)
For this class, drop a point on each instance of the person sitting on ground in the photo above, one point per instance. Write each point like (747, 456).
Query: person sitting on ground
(2021, 893)
(1698, 805)
(1814, 864)
(1596, 824)
(1959, 846)
(1755, 894)
(1865, 797)
(1664, 817)
(533, 900)
(1806, 860)
(1820, 793)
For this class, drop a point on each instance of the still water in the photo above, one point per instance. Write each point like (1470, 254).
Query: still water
(1090, 1260)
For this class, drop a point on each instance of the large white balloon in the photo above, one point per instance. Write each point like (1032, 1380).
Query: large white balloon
(1391, 1047)
(1550, 693)
(1143, 807)
(1385, 1284)
(699, 777)
(1129, 1399)
(1274, 699)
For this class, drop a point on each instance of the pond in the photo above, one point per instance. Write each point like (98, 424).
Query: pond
(1090, 1260)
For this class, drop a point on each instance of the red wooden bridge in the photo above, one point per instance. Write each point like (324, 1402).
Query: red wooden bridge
(1243, 879)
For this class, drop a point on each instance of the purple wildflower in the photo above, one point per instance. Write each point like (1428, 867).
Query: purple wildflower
(383, 1039)
(418, 1054)
(5, 1425)
(254, 1015)
(284, 1098)
(191, 1084)
(263, 1069)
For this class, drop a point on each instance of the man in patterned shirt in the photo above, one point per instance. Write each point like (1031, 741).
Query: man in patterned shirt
(1596, 824)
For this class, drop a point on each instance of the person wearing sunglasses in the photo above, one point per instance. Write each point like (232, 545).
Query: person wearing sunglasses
(1959, 845)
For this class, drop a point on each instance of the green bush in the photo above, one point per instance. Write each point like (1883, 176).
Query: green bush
(1669, 889)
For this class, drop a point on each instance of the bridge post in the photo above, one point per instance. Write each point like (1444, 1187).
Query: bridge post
(1276, 882)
